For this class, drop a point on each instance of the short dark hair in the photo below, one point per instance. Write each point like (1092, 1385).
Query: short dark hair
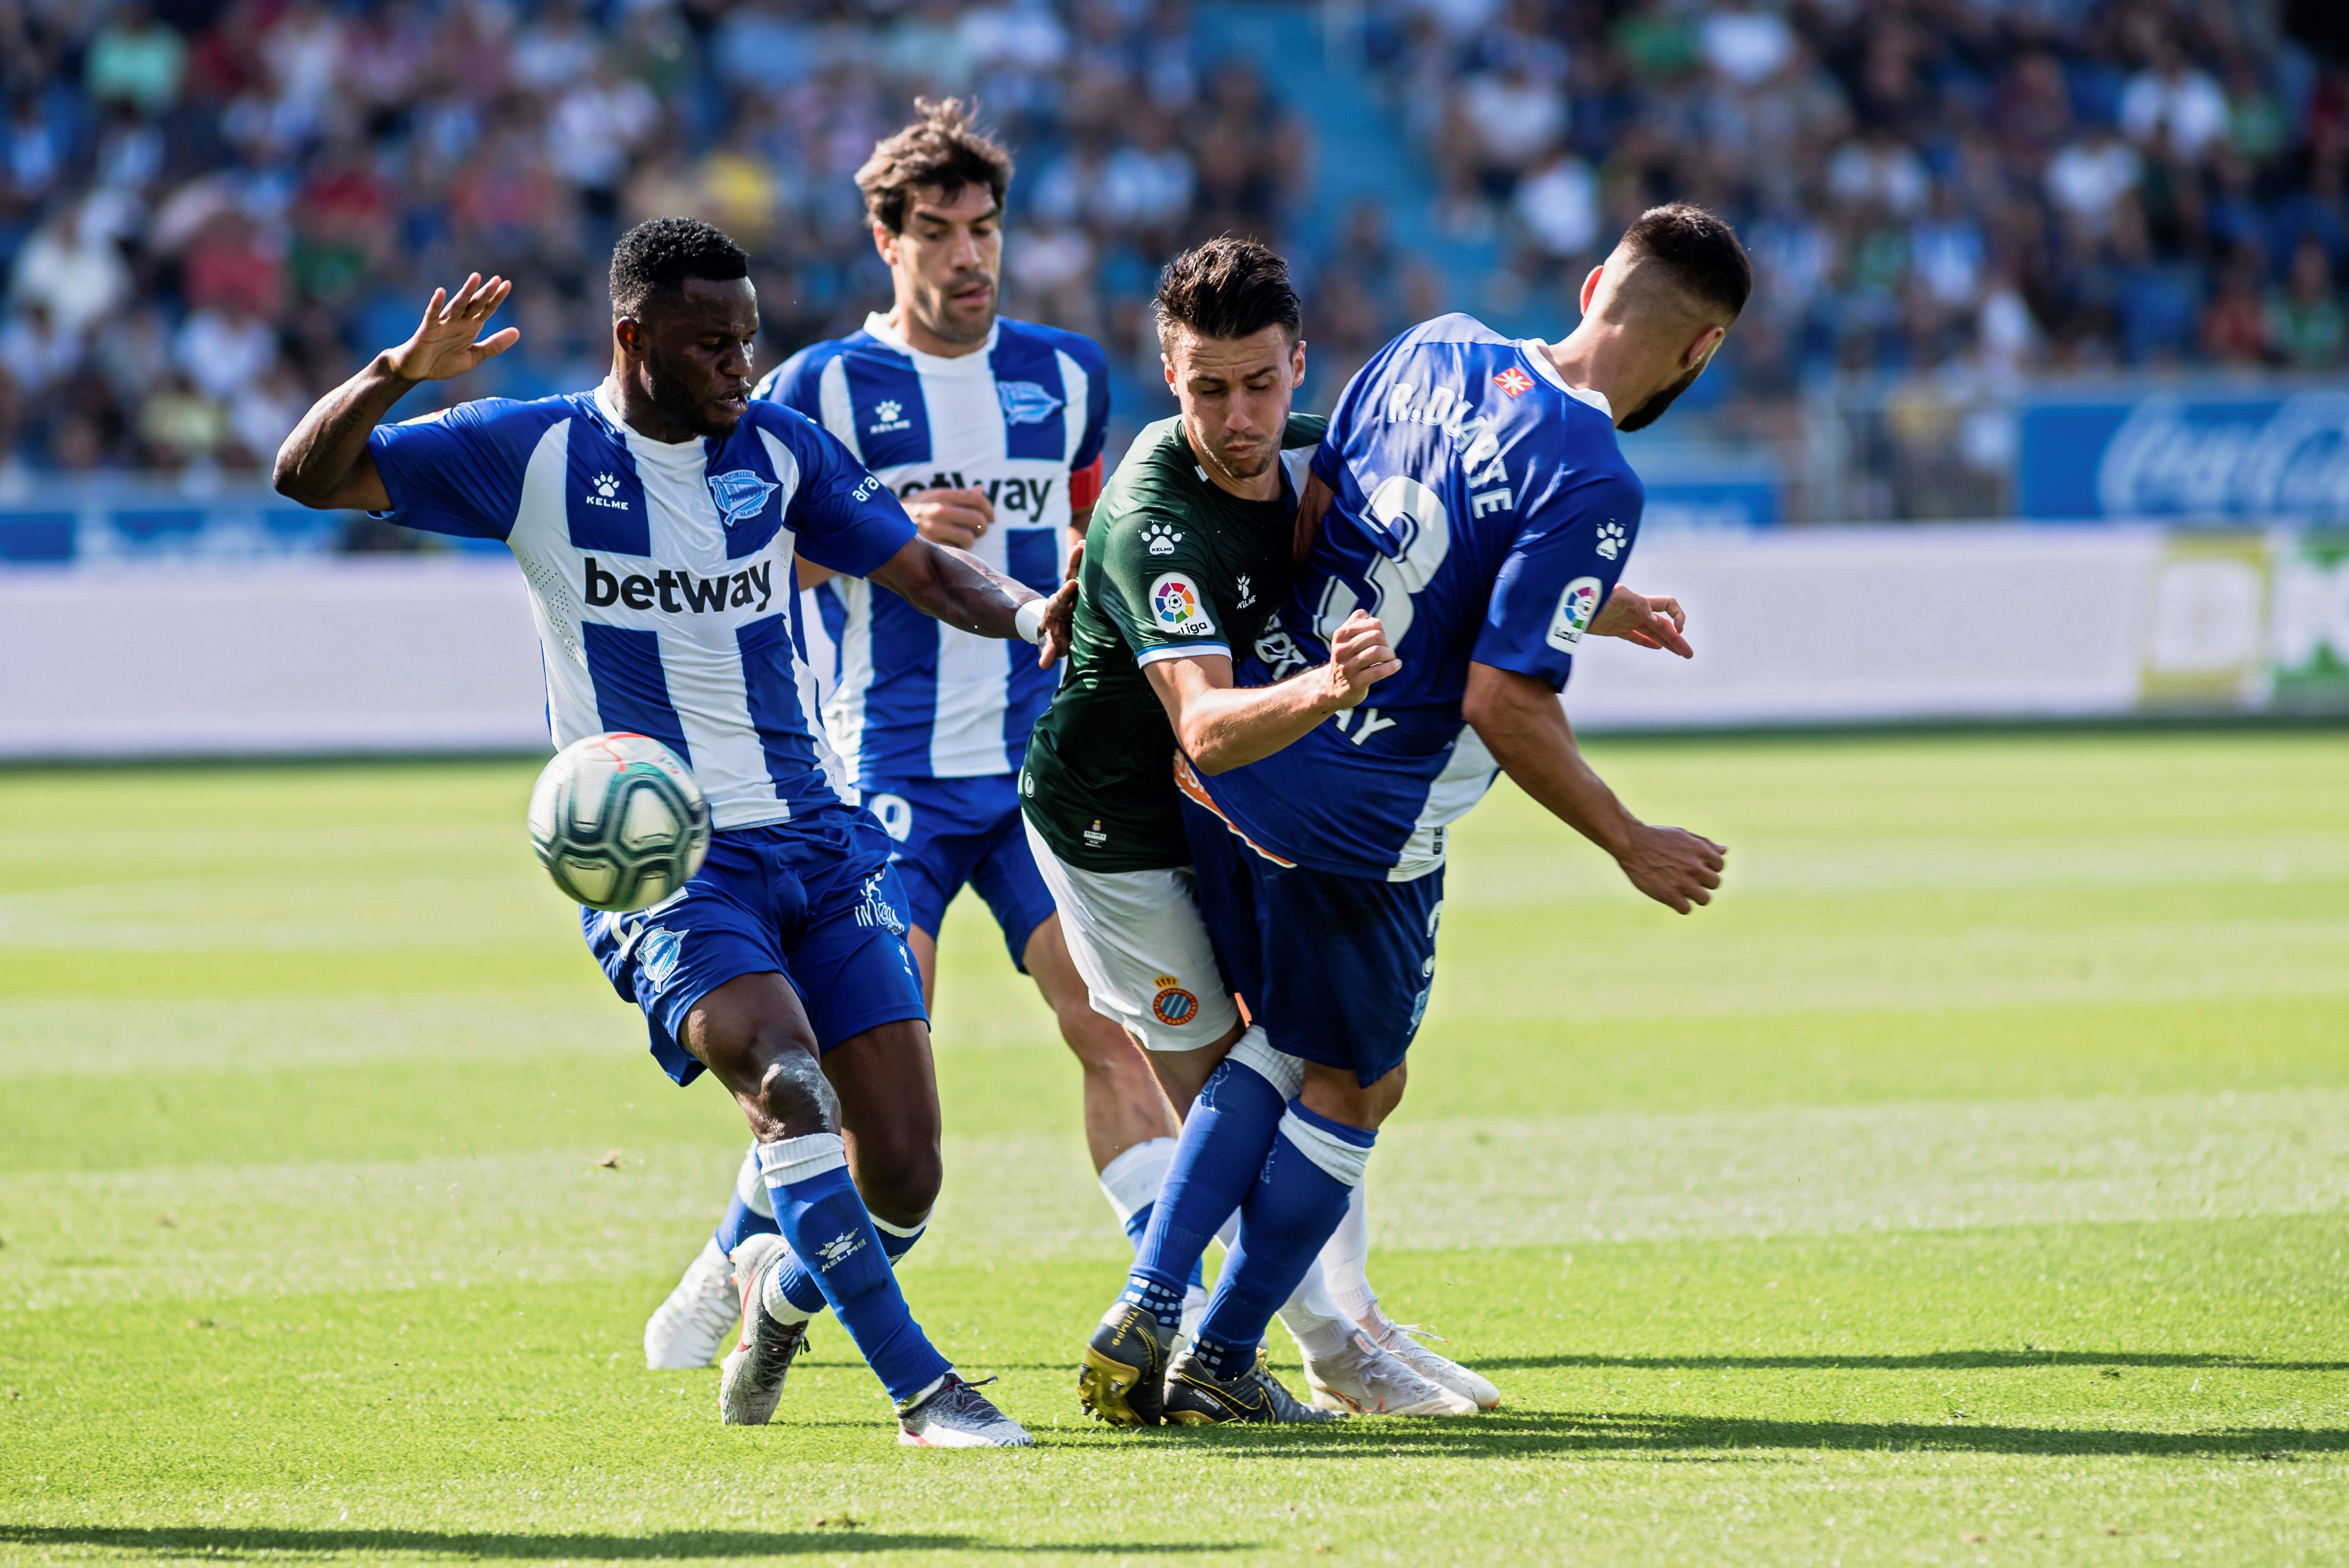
(1227, 288)
(944, 148)
(1699, 254)
(658, 254)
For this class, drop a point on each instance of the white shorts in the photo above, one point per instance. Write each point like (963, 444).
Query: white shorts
(1139, 943)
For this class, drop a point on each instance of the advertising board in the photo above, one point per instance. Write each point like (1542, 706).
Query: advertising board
(2210, 453)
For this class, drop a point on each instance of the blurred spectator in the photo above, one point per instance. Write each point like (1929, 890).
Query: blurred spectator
(2088, 179)
(137, 60)
(2305, 319)
(72, 269)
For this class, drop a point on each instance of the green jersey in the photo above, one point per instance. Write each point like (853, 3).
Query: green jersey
(1173, 567)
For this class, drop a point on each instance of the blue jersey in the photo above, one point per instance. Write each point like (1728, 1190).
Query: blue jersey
(1023, 418)
(660, 573)
(1483, 514)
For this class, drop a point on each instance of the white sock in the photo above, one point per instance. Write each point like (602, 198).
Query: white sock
(1313, 1320)
(1345, 1263)
(751, 1186)
(1133, 1177)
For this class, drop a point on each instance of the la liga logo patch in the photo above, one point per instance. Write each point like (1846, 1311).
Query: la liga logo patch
(1576, 606)
(1174, 606)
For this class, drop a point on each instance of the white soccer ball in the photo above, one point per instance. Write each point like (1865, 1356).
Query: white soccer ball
(618, 822)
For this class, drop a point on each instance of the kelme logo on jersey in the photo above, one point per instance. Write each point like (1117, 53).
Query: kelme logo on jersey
(888, 415)
(1575, 605)
(679, 592)
(1175, 605)
(1025, 402)
(603, 489)
(1611, 539)
(740, 495)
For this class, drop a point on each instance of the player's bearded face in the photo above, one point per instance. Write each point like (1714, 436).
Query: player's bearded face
(1651, 410)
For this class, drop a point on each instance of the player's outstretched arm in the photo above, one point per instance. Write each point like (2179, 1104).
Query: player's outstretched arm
(1221, 726)
(964, 591)
(1523, 724)
(325, 461)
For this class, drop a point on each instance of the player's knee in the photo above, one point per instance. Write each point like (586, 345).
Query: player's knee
(902, 1186)
(791, 1091)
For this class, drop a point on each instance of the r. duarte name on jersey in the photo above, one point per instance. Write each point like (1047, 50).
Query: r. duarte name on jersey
(1019, 495)
(678, 592)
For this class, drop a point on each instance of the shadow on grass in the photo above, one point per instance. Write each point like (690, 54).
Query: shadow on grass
(197, 1541)
(1935, 1361)
(1598, 1434)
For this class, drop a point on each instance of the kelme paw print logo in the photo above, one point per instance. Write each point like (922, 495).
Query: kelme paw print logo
(1610, 540)
(1161, 539)
(607, 485)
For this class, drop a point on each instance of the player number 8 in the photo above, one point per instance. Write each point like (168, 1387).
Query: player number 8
(1412, 534)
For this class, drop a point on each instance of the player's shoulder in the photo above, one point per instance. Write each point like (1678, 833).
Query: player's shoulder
(1304, 429)
(780, 418)
(1088, 354)
(796, 379)
(504, 416)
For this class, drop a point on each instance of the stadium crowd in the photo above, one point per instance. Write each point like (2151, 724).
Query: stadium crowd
(208, 209)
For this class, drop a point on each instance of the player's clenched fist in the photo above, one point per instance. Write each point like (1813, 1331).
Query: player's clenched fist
(956, 518)
(1358, 655)
(443, 344)
(1672, 866)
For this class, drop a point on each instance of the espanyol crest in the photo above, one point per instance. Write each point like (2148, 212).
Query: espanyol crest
(1025, 402)
(739, 493)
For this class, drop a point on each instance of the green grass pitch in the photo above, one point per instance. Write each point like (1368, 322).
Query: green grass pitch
(1971, 1184)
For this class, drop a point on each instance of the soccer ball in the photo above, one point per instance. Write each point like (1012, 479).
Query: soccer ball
(618, 822)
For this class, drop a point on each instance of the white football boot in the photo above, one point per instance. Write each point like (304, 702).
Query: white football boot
(1395, 1339)
(1368, 1381)
(951, 1414)
(685, 1331)
(751, 1378)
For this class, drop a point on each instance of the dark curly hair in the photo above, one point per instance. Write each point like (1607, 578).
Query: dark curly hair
(1227, 288)
(945, 148)
(658, 254)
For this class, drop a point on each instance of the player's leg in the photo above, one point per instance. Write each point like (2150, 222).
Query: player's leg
(1337, 971)
(1344, 1264)
(1124, 1107)
(685, 1330)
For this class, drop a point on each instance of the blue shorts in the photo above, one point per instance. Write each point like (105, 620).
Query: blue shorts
(1336, 969)
(950, 832)
(812, 900)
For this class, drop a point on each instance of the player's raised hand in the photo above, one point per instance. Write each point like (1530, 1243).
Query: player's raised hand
(1651, 620)
(956, 518)
(1358, 655)
(1672, 866)
(447, 342)
(1059, 624)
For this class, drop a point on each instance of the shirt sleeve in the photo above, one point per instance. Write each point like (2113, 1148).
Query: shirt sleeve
(845, 517)
(1563, 563)
(459, 471)
(1156, 587)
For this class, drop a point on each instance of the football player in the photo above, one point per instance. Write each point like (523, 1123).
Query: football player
(1471, 495)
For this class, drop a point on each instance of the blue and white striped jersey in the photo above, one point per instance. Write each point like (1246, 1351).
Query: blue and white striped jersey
(1019, 418)
(1483, 512)
(660, 574)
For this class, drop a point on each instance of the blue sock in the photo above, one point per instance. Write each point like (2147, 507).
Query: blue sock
(823, 1219)
(1300, 1194)
(1138, 1222)
(799, 1286)
(742, 1222)
(1224, 1140)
